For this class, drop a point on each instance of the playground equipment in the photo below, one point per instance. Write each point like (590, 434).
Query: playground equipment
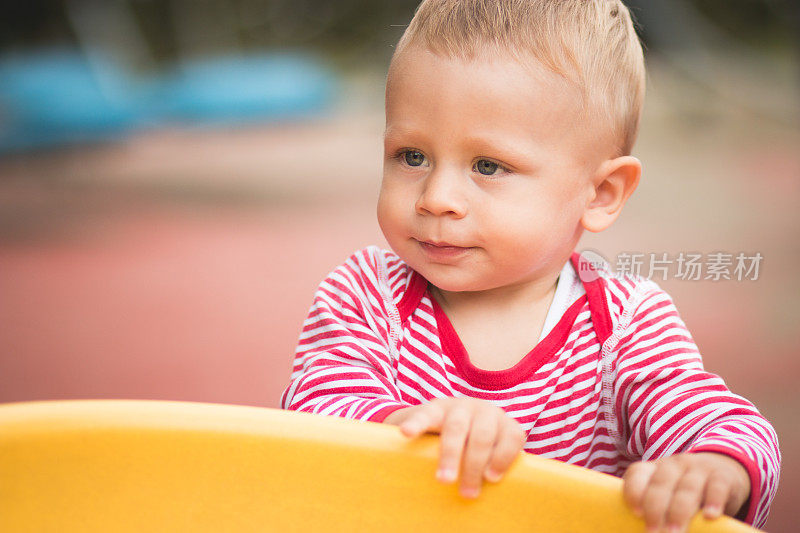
(61, 96)
(117, 465)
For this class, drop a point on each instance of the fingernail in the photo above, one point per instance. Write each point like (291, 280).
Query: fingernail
(712, 511)
(492, 476)
(446, 475)
(674, 529)
(470, 492)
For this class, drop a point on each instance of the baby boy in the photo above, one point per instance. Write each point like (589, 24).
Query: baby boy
(509, 129)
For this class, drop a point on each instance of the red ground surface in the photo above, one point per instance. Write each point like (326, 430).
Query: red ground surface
(175, 304)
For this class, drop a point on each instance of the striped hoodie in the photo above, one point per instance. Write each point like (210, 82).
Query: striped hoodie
(616, 377)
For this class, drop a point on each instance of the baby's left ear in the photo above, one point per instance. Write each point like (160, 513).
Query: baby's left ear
(614, 182)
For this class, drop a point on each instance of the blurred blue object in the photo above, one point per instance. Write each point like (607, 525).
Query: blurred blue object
(237, 89)
(58, 97)
(53, 97)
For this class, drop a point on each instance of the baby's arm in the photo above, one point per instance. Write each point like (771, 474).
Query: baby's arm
(700, 438)
(343, 364)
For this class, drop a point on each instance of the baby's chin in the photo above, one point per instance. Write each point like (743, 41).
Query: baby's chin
(461, 276)
(453, 282)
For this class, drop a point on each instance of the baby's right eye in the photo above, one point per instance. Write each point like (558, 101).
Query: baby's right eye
(414, 158)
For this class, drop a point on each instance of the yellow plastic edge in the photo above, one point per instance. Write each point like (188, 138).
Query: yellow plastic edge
(129, 465)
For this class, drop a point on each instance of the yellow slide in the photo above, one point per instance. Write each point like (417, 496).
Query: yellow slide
(147, 466)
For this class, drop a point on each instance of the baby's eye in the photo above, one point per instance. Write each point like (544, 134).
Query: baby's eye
(414, 158)
(486, 167)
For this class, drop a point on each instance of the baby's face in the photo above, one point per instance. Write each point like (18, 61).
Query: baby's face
(487, 171)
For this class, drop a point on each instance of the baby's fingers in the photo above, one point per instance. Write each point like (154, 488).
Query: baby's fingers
(480, 445)
(428, 417)
(635, 481)
(509, 444)
(658, 495)
(455, 429)
(717, 492)
(686, 499)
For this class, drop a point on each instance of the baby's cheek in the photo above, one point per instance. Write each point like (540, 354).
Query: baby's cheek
(387, 213)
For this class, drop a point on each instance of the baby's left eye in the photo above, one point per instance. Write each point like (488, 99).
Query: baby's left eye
(486, 167)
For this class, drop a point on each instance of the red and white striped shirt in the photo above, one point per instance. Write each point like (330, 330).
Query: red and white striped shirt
(615, 379)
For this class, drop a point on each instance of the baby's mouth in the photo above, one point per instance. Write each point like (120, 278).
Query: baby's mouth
(442, 249)
(442, 244)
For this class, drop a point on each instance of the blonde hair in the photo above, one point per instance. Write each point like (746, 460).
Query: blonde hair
(591, 43)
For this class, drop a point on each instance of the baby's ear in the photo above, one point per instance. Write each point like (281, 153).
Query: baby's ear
(613, 183)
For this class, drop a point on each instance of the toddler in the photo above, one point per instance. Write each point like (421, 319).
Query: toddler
(509, 129)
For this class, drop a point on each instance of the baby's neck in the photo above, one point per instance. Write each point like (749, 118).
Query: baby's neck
(508, 298)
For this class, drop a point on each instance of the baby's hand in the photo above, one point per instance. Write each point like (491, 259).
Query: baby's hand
(668, 492)
(477, 438)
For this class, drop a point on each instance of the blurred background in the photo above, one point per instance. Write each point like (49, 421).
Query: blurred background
(177, 176)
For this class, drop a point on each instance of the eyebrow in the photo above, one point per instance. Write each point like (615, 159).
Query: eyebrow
(504, 150)
(396, 131)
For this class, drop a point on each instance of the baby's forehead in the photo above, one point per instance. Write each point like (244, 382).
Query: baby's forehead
(505, 88)
(489, 59)
(500, 85)
(488, 66)
(487, 54)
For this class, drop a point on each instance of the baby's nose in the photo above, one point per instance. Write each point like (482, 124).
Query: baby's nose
(442, 194)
